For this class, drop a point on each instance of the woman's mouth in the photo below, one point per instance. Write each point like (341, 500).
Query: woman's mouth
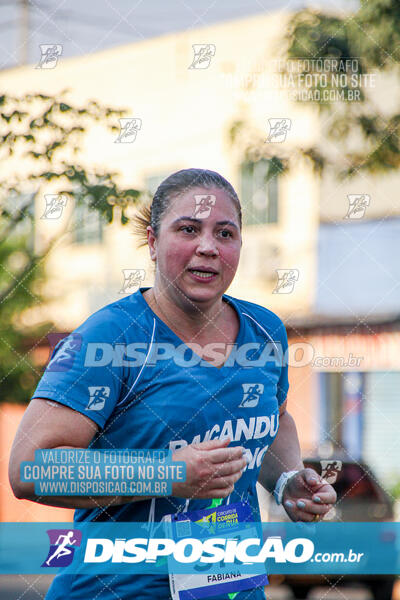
(203, 275)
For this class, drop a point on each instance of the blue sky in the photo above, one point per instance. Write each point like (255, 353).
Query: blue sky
(85, 27)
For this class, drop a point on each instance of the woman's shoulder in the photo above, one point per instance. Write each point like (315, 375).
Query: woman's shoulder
(128, 315)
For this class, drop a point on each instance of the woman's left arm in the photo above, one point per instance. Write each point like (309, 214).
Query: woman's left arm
(306, 494)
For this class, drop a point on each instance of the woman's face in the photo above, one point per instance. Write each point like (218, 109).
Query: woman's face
(198, 245)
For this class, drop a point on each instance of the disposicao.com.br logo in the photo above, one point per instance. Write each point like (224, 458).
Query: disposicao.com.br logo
(193, 550)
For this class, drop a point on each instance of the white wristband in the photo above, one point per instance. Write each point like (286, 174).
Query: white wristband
(281, 484)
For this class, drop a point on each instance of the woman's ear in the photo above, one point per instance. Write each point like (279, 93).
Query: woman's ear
(152, 242)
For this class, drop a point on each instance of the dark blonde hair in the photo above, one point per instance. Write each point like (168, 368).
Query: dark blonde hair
(174, 184)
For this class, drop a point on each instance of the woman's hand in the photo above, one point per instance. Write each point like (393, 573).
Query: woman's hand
(212, 469)
(308, 497)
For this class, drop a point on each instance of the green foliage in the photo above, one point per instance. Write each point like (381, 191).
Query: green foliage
(364, 131)
(255, 148)
(19, 277)
(29, 120)
(40, 132)
(394, 491)
(317, 35)
(372, 38)
(379, 39)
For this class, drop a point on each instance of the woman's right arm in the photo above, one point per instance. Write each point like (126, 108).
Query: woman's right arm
(211, 467)
(48, 424)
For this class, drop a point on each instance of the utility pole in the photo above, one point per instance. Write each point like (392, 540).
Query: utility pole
(24, 33)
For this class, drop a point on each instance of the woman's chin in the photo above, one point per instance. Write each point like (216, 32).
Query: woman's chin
(203, 294)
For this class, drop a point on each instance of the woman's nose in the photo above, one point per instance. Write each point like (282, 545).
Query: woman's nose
(207, 245)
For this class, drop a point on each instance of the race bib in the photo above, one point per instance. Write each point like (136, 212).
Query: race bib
(228, 521)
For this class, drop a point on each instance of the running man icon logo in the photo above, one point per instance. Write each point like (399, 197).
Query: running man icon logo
(203, 54)
(278, 129)
(50, 55)
(251, 394)
(55, 204)
(357, 205)
(132, 280)
(330, 470)
(204, 202)
(98, 397)
(63, 355)
(286, 280)
(129, 128)
(62, 547)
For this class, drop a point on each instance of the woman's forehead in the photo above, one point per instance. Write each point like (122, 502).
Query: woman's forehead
(202, 201)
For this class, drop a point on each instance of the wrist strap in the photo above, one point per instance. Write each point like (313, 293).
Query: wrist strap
(281, 484)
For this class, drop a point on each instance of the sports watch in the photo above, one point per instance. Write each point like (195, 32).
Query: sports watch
(281, 484)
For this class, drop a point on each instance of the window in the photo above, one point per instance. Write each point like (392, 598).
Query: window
(88, 227)
(331, 408)
(341, 410)
(259, 192)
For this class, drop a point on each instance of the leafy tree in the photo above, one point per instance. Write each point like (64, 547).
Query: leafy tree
(40, 139)
(367, 134)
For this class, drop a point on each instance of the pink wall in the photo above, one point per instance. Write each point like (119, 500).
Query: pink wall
(12, 509)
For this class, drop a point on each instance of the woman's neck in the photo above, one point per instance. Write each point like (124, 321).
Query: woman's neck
(184, 315)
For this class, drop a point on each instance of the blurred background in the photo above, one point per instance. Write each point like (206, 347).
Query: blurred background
(297, 106)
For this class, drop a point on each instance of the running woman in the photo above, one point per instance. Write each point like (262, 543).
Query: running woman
(198, 375)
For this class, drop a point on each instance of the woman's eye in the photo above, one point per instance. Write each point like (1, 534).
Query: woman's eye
(226, 233)
(187, 228)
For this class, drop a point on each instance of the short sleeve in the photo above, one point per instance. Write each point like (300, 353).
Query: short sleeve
(283, 382)
(83, 373)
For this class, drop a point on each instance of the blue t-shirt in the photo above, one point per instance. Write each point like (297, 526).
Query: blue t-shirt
(125, 369)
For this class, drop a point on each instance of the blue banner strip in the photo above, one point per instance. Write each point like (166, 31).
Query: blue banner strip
(287, 548)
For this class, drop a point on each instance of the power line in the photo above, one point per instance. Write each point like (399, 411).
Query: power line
(86, 19)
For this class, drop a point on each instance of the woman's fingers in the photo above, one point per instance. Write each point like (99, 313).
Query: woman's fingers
(301, 515)
(226, 477)
(306, 510)
(212, 469)
(297, 514)
(223, 455)
(230, 468)
(222, 482)
(325, 497)
(211, 444)
(311, 478)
